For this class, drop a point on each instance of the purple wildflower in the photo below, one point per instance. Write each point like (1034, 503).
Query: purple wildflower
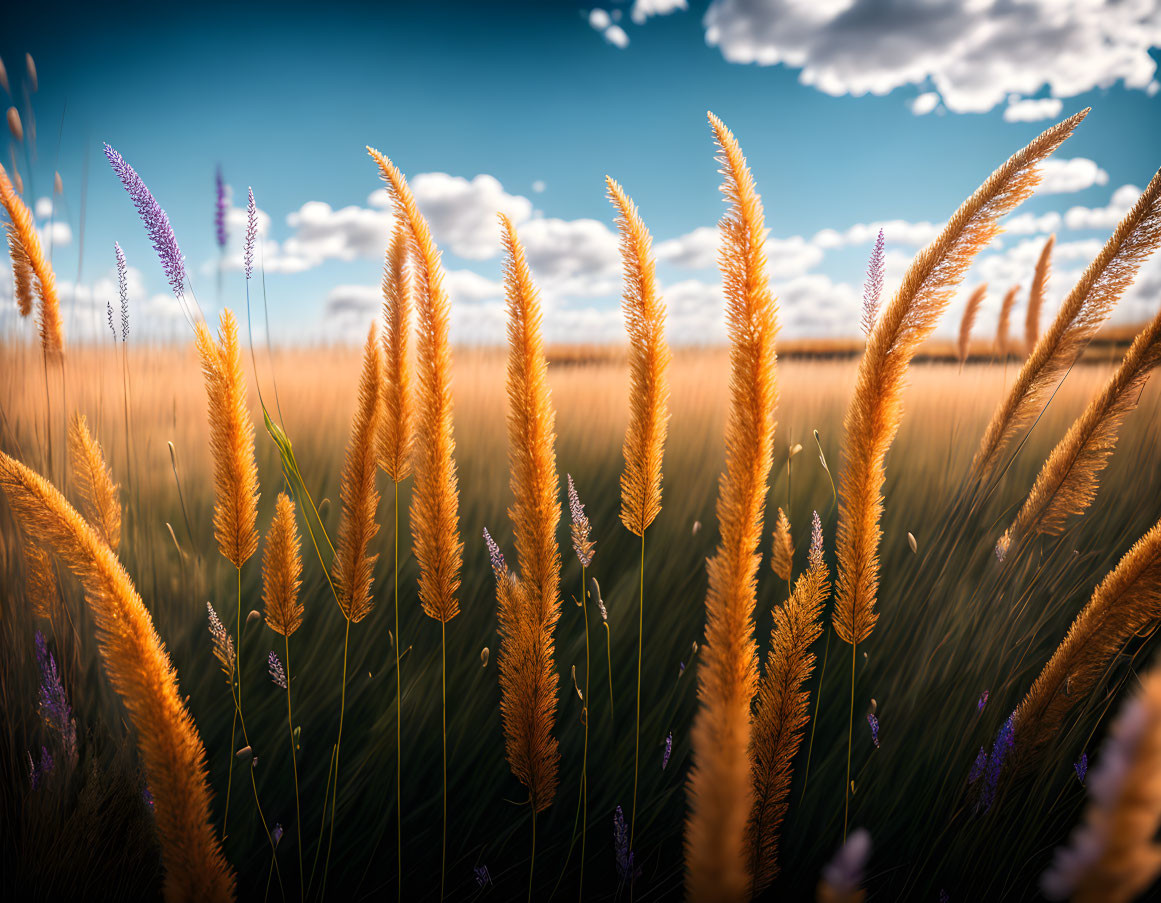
(109, 314)
(627, 869)
(1005, 740)
(53, 702)
(276, 834)
(46, 762)
(1081, 767)
(873, 287)
(220, 209)
(874, 723)
(499, 566)
(251, 234)
(147, 796)
(123, 287)
(944, 897)
(680, 668)
(276, 673)
(155, 219)
(982, 702)
(581, 544)
(223, 643)
(978, 766)
(483, 878)
(668, 751)
(843, 875)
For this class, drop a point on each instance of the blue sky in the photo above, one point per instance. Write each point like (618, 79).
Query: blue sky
(852, 114)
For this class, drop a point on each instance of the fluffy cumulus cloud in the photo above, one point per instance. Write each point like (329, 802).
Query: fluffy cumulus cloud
(1060, 176)
(603, 22)
(462, 213)
(924, 103)
(646, 9)
(1107, 217)
(974, 55)
(698, 250)
(1024, 109)
(895, 232)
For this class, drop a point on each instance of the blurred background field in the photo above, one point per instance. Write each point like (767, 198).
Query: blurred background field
(955, 623)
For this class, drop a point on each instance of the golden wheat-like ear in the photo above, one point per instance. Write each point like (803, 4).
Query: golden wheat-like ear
(530, 713)
(876, 407)
(1126, 602)
(781, 712)
(94, 482)
(1114, 857)
(435, 500)
(22, 274)
(24, 229)
(782, 552)
(141, 673)
(1068, 481)
(282, 570)
(1036, 295)
(353, 568)
(971, 309)
(231, 441)
(1086, 307)
(1005, 320)
(395, 422)
(721, 789)
(649, 359)
(43, 591)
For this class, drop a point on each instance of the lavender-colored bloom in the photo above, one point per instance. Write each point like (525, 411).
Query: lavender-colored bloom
(1081, 766)
(53, 702)
(978, 766)
(944, 897)
(251, 235)
(220, 209)
(276, 673)
(581, 543)
(680, 668)
(276, 834)
(873, 287)
(109, 314)
(499, 566)
(626, 867)
(1005, 740)
(668, 751)
(844, 873)
(874, 723)
(223, 642)
(155, 219)
(123, 287)
(147, 796)
(483, 878)
(982, 702)
(46, 762)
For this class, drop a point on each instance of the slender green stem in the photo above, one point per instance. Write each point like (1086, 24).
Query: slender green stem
(338, 747)
(398, 719)
(443, 713)
(637, 732)
(609, 658)
(294, 762)
(322, 820)
(230, 773)
(850, 735)
(814, 720)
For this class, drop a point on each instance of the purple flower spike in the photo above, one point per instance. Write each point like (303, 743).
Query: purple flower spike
(1081, 767)
(499, 566)
(220, 209)
(155, 219)
(54, 703)
(978, 766)
(276, 673)
(668, 751)
(1005, 740)
(276, 834)
(626, 867)
(123, 287)
(109, 314)
(874, 723)
(483, 878)
(251, 235)
(873, 287)
(982, 702)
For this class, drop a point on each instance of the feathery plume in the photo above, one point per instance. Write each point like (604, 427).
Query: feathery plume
(969, 318)
(14, 125)
(141, 673)
(231, 441)
(275, 669)
(123, 290)
(782, 553)
(23, 229)
(721, 789)
(282, 570)
(155, 219)
(220, 206)
(40, 579)
(528, 674)
(875, 410)
(22, 274)
(94, 482)
(1126, 602)
(1002, 325)
(435, 498)
(495, 556)
(1067, 483)
(1096, 292)
(395, 423)
(873, 287)
(1036, 295)
(1114, 856)
(251, 234)
(582, 544)
(842, 879)
(357, 526)
(627, 868)
(782, 710)
(649, 357)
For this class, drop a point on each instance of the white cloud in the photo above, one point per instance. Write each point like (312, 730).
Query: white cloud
(616, 36)
(1028, 110)
(924, 103)
(1106, 217)
(895, 232)
(599, 19)
(644, 9)
(1060, 176)
(538, 186)
(462, 213)
(602, 22)
(43, 208)
(572, 258)
(1031, 223)
(973, 54)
